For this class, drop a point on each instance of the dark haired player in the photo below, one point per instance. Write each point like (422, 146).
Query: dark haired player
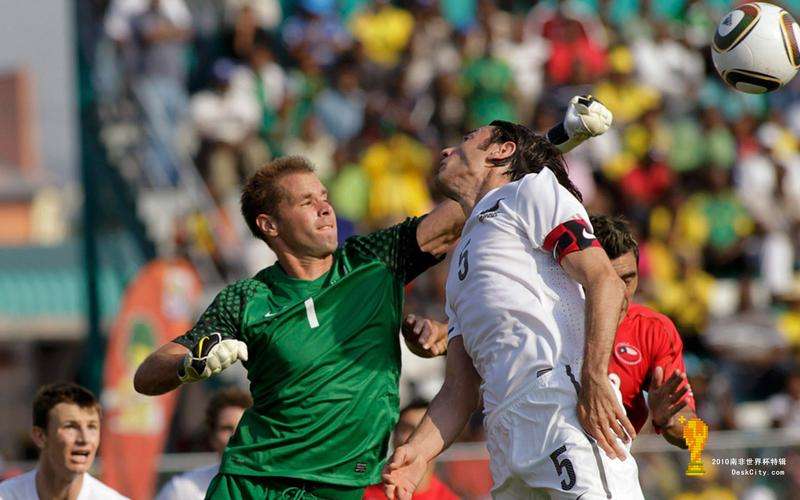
(533, 304)
(66, 429)
(318, 334)
(648, 351)
(223, 413)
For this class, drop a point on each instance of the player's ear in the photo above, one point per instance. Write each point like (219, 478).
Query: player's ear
(39, 436)
(268, 225)
(502, 151)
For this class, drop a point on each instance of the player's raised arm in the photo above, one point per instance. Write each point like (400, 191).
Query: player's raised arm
(599, 411)
(448, 413)
(441, 228)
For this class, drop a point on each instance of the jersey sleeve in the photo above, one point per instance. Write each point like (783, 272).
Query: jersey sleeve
(398, 249)
(554, 220)
(223, 316)
(668, 354)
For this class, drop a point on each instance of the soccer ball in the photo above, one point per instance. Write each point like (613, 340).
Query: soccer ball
(756, 49)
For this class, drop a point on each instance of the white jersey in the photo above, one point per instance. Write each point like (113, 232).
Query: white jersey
(190, 485)
(518, 311)
(23, 487)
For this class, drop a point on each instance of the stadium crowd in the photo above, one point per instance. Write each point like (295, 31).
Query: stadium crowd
(371, 91)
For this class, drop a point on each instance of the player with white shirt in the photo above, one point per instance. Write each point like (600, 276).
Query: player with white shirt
(66, 429)
(222, 416)
(533, 304)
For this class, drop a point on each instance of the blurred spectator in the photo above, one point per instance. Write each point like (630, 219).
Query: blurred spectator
(264, 81)
(159, 52)
(316, 145)
(223, 413)
(750, 335)
(396, 169)
(431, 487)
(575, 57)
(785, 406)
(317, 32)
(525, 53)
(341, 108)
(225, 118)
(118, 18)
(627, 98)
(267, 14)
(488, 90)
(383, 31)
(667, 65)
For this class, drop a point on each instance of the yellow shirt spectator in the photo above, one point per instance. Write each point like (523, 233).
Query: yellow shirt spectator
(397, 170)
(621, 94)
(384, 33)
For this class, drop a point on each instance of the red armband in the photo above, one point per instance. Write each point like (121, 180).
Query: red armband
(571, 236)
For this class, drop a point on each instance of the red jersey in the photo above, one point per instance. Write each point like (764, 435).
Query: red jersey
(645, 339)
(437, 490)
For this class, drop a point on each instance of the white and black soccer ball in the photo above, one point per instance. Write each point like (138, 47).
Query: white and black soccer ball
(755, 48)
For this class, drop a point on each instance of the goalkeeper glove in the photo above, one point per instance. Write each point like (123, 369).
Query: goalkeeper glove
(209, 356)
(586, 117)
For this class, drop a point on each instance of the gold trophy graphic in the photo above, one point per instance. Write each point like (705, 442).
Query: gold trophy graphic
(695, 432)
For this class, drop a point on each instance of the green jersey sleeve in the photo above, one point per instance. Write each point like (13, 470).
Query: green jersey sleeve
(223, 316)
(398, 249)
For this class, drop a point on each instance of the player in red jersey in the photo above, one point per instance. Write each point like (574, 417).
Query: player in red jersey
(648, 351)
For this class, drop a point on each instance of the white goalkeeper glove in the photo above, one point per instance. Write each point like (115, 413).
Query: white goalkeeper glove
(586, 117)
(209, 356)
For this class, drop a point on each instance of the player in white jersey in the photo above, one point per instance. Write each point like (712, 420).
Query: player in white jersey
(222, 417)
(66, 429)
(533, 304)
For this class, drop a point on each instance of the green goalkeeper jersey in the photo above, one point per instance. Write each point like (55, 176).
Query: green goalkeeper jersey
(324, 360)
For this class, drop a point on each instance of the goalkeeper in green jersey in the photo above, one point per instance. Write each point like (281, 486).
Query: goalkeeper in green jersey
(317, 333)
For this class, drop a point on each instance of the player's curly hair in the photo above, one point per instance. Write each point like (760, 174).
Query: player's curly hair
(615, 236)
(261, 193)
(60, 392)
(533, 153)
(226, 398)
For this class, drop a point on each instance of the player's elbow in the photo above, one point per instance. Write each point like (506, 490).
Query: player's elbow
(140, 384)
(143, 382)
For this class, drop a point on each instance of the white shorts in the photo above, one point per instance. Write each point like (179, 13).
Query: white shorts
(538, 448)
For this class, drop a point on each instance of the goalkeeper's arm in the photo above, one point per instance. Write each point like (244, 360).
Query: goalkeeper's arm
(173, 364)
(158, 373)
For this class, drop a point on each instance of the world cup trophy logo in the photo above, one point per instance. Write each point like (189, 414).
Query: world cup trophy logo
(695, 432)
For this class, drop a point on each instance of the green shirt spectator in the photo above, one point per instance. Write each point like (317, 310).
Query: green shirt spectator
(488, 85)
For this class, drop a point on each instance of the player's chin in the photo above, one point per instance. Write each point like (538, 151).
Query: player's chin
(327, 244)
(443, 184)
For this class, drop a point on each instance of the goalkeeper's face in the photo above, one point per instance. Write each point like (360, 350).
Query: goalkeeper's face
(305, 223)
(69, 444)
